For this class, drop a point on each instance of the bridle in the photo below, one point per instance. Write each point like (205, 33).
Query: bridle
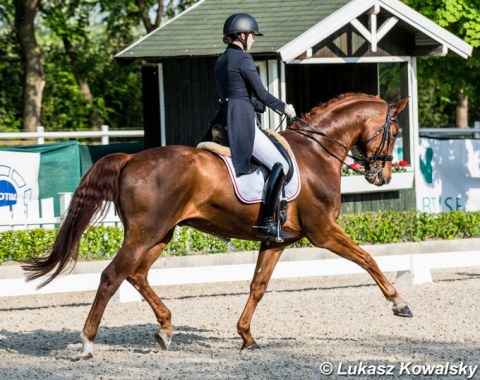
(310, 131)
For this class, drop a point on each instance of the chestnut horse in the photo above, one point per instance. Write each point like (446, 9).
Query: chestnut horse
(158, 189)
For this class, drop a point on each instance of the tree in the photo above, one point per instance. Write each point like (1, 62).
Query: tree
(450, 82)
(66, 49)
(11, 73)
(34, 83)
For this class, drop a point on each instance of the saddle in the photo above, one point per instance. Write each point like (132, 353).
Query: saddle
(219, 145)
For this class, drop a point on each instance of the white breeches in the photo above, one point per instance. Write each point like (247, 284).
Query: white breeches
(266, 152)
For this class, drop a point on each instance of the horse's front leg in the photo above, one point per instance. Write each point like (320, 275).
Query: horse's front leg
(337, 241)
(266, 262)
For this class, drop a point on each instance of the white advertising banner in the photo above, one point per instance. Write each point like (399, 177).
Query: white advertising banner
(449, 175)
(18, 177)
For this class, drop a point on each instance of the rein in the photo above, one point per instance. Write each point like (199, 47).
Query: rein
(311, 131)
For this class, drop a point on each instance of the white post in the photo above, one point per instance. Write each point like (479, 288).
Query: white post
(126, 293)
(41, 135)
(65, 199)
(414, 127)
(476, 125)
(274, 89)
(283, 91)
(420, 270)
(163, 127)
(262, 70)
(373, 32)
(105, 135)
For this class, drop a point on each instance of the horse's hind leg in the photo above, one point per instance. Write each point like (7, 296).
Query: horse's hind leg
(139, 280)
(266, 262)
(124, 263)
(337, 241)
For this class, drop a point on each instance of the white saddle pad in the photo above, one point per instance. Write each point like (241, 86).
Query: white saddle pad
(249, 188)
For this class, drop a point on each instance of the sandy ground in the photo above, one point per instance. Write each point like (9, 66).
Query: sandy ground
(301, 324)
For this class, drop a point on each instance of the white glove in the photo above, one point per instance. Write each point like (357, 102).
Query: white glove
(290, 111)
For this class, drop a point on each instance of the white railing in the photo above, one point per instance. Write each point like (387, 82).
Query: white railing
(104, 134)
(40, 214)
(411, 268)
(452, 132)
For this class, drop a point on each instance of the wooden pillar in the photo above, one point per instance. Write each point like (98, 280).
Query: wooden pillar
(151, 100)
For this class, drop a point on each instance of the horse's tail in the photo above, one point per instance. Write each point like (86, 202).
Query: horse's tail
(98, 185)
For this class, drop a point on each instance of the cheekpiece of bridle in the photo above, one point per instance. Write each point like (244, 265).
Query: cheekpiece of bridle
(310, 131)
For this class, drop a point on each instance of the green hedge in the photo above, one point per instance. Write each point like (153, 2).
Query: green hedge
(365, 228)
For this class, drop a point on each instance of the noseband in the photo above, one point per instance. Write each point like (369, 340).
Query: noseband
(385, 129)
(385, 141)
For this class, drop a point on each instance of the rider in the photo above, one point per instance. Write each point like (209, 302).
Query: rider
(241, 94)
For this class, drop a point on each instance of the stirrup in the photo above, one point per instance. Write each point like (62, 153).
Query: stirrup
(272, 232)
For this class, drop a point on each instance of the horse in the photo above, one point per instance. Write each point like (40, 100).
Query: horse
(158, 189)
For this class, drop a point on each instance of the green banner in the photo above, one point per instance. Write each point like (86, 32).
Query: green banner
(63, 164)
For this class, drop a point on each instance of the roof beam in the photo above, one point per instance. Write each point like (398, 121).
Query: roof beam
(428, 27)
(328, 26)
(330, 60)
(296, 49)
(362, 30)
(374, 35)
(386, 27)
(431, 50)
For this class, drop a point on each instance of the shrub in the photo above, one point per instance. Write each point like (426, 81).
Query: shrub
(100, 243)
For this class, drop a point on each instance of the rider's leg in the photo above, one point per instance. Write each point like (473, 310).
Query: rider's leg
(266, 152)
(269, 228)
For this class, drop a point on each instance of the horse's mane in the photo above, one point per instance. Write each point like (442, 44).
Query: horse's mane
(340, 98)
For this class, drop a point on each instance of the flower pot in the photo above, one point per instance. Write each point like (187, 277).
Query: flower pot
(355, 184)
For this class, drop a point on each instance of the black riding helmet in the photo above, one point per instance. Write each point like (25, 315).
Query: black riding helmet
(240, 23)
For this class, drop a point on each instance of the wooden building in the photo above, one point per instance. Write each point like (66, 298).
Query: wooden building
(311, 51)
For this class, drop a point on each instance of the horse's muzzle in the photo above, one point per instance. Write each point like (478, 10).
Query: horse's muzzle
(377, 178)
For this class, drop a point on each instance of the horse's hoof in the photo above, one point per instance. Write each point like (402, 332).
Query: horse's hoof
(163, 338)
(87, 348)
(84, 356)
(252, 347)
(402, 311)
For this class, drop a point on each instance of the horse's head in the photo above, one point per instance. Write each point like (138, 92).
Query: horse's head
(375, 144)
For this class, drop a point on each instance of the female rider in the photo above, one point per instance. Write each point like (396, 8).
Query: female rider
(241, 94)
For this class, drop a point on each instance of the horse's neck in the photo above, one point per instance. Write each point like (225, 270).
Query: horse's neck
(339, 124)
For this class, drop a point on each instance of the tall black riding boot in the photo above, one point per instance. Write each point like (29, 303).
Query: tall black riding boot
(268, 228)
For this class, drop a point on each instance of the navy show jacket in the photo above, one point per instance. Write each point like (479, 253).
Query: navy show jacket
(241, 93)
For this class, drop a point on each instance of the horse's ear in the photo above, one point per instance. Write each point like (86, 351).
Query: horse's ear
(398, 107)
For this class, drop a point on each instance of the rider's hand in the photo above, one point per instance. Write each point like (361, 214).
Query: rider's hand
(290, 111)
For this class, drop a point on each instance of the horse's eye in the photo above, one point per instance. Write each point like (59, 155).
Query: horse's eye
(395, 134)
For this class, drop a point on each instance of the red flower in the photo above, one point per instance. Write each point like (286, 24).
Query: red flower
(403, 163)
(355, 166)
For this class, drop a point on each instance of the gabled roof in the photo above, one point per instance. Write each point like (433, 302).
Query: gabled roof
(291, 28)
(198, 31)
(426, 31)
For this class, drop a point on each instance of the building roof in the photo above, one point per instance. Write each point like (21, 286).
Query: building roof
(290, 28)
(199, 30)
(426, 31)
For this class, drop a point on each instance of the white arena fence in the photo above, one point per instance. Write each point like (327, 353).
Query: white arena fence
(40, 214)
(414, 268)
(40, 135)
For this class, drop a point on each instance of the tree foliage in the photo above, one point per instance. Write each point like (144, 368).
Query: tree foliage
(441, 79)
(85, 87)
(78, 39)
